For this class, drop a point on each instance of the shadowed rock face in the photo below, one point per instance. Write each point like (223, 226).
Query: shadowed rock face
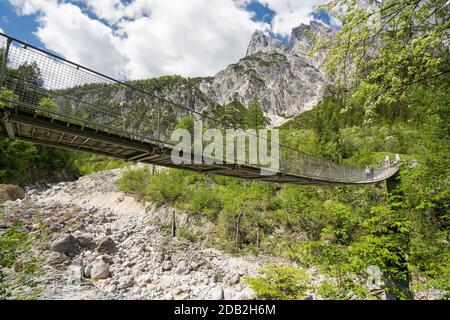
(260, 42)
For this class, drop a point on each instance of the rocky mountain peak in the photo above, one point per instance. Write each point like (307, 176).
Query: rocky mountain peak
(302, 37)
(261, 42)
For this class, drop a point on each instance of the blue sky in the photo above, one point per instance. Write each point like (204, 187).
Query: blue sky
(20, 27)
(150, 38)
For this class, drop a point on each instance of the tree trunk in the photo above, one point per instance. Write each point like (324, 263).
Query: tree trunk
(238, 222)
(174, 225)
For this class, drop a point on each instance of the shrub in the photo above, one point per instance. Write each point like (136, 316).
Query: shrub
(280, 282)
(206, 202)
(12, 243)
(164, 188)
(134, 181)
(86, 164)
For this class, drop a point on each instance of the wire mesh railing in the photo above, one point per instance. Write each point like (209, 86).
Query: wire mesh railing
(35, 81)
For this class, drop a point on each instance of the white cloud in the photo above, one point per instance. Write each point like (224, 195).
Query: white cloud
(110, 10)
(66, 30)
(1, 30)
(196, 37)
(290, 14)
(145, 38)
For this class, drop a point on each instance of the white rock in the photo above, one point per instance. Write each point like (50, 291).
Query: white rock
(76, 273)
(99, 270)
(235, 279)
(181, 268)
(167, 266)
(217, 293)
(168, 296)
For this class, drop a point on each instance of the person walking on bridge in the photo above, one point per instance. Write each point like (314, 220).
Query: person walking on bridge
(372, 173)
(367, 172)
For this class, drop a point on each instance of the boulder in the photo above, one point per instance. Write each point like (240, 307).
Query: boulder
(106, 246)
(167, 266)
(181, 268)
(10, 193)
(55, 227)
(66, 244)
(85, 240)
(99, 271)
(87, 271)
(235, 279)
(55, 259)
(126, 282)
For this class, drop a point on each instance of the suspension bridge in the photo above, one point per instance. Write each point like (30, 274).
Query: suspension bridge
(51, 101)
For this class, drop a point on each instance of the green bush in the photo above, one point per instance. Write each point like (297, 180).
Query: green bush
(87, 163)
(164, 188)
(134, 181)
(280, 282)
(206, 202)
(12, 243)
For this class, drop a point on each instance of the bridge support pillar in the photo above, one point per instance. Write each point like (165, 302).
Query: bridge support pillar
(9, 130)
(7, 125)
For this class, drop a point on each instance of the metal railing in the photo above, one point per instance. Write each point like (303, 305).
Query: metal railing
(36, 81)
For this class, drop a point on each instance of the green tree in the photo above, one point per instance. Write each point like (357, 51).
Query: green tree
(382, 50)
(280, 282)
(254, 117)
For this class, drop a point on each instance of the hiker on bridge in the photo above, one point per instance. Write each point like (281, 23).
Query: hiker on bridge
(372, 173)
(367, 172)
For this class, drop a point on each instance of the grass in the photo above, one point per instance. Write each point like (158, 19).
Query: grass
(16, 251)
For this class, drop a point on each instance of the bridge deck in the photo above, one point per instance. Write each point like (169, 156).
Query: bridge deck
(55, 133)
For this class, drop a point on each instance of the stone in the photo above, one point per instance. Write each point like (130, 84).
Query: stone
(126, 282)
(55, 259)
(100, 270)
(144, 279)
(17, 266)
(235, 279)
(168, 296)
(167, 266)
(106, 246)
(66, 244)
(85, 240)
(246, 294)
(217, 293)
(181, 267)
(10, 193)
(6, 225)
(195, 291)
(75, 274)
(194, 266)
(159, 257)
(87, 271)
